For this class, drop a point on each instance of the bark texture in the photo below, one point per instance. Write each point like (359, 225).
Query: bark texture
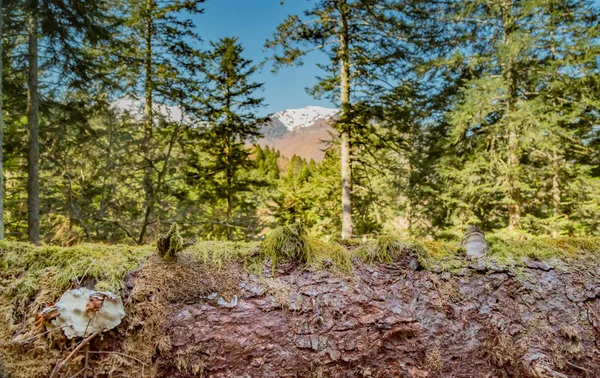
(1, 131)
(346, 162)
(393, 320)
(33, 102)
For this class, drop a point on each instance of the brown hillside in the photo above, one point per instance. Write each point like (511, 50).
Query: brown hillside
(307, 142)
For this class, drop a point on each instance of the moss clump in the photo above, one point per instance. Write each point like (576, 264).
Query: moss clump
(28, 268)
(292, 243)
(381, 250)
(31, 277)
(288, 243)
(429, 254)
(446, 256)
(171, 244)
(218, 254)
(330, 255)
(512, 251)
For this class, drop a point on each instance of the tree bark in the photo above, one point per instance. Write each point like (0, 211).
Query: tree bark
(33, 189)
(229, 174)
(148, 122)
(514, 209)
(555, 189)
(346, 163)
(1, 133)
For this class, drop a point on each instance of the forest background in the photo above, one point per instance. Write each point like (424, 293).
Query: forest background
(452, 112)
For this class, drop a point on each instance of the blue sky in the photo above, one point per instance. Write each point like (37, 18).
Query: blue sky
(253, 22)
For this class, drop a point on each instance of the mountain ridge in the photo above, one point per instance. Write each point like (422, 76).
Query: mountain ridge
(304, 132)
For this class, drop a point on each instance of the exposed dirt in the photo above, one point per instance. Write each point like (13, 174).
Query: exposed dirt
(390, 321)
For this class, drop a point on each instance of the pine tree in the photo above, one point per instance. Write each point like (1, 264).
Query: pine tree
(65, 27)
(160, 64)
(508, 111)
(564, 102)
(230, 121)
(370, 48)
(328, 26)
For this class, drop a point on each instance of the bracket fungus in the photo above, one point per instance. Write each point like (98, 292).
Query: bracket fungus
(83, 312)
(474, 243)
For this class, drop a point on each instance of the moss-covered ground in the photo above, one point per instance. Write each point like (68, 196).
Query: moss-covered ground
(32, 277)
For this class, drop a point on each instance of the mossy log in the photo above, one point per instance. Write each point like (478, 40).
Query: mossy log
(395, 321)
(405, 315)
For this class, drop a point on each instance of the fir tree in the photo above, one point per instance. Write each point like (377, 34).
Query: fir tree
(508, 114)
(160, 63)
(230, 120)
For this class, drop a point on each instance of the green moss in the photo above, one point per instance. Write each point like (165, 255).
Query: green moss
(292, 243)
(57, 268)
(381, 250)
(430, 254)
(511, 251)
(219, 254)
(170, 245)
(288, 243)
(443, 255)
(330, 255)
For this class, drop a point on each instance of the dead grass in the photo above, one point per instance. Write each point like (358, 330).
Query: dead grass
(162, 285)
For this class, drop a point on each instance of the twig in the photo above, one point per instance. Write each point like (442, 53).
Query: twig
(118, 353)
(41, 334)
(84, 273)
(66, 360)
(189, 243)
(87, 355)
(578, 367)
(76, 374)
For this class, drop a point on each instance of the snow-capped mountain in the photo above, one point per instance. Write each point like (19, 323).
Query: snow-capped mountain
(304, 117)
(303, 132)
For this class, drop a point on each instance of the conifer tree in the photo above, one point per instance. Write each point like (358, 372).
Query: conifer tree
(364, 41)
(160, 63)
(65, 27)
(230, 119)
(508, 110)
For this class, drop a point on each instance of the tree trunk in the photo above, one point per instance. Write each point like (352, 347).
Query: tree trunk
(381, 324)
(159, 181)
(555, 189)
(148, 122)
(345, 132)
(33, 189)
(229, 177)
(1, 134)
(514, 209)
(555, 157)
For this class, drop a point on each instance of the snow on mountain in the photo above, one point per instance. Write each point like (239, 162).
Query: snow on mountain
(304, 117)
(135, 107)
